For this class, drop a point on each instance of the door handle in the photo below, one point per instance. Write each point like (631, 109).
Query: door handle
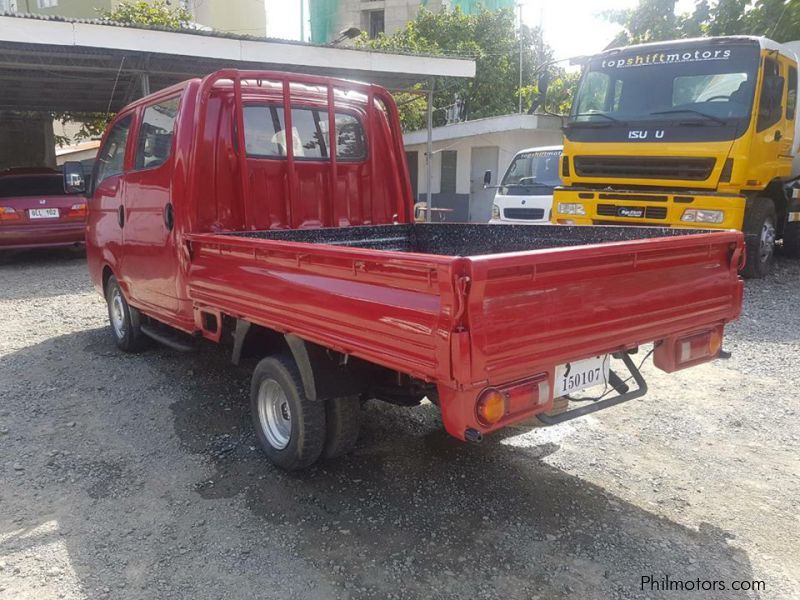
(121, 216)
(778, 135)
(169, 216)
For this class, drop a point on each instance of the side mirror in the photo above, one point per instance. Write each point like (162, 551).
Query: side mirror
(487, 178)
(543, 83)
(74, 181)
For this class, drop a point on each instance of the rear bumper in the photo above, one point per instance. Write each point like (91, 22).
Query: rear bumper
(14, 237)
(459, 407)
(659, 209)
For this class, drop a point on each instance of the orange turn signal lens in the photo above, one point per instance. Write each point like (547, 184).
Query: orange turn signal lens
(491, 406)
(714, 342)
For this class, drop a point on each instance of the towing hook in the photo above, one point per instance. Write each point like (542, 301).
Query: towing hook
(473, 435)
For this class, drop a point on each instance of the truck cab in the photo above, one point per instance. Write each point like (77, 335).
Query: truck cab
(525, 194)
(688, 133)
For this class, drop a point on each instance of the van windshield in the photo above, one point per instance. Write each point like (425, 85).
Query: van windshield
(534, 170)
(706, 83)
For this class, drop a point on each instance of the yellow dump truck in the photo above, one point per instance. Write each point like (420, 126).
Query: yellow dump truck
(688, 133)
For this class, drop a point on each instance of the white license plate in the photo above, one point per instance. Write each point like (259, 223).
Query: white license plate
(581, 374)
(43, 213)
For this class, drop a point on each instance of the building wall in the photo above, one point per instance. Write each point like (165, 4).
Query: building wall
(355, 13)
(235, 16)
(508, 143)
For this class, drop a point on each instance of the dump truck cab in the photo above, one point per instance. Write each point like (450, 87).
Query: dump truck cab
(688, 133)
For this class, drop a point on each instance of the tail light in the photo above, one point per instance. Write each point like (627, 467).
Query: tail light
(524, 396)
(77, 210)
(491, 406)
(678, 353)
(9, 214)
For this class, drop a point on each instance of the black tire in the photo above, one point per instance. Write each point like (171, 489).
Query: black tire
(276, 389)
(343, 418)
(791, 239)
(759, 220)
(124, 319)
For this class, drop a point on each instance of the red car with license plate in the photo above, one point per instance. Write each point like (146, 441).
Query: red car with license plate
(36, 212)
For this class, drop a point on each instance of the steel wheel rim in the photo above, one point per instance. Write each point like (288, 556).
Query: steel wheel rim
(118, 313)
(274, 414)
(767, 240)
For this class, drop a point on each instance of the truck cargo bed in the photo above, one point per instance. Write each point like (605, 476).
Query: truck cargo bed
(466, 306)
(465, 239)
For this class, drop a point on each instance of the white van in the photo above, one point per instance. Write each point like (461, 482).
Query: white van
(525, 195)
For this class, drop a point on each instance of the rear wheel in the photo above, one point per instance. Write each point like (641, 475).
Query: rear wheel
(125, 319)
(343, 417)
(759, 235)
(289, 426)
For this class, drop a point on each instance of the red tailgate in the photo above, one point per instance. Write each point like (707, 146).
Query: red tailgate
(529, 311)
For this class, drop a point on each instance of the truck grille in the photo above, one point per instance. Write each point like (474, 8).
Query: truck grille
(524, 213)
(650, 212)
(638, 167)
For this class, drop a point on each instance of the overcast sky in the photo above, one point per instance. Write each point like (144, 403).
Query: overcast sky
(571, 27)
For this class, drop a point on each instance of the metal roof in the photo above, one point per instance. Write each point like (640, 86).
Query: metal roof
(57, 64)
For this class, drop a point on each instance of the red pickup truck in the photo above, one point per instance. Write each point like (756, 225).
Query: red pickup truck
(217, 212)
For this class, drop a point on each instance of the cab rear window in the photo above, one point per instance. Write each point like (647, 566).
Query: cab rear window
(40, 185)
(265, 136)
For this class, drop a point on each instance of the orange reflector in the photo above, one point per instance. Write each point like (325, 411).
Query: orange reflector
(491, 407)
(714, 343)
(8, 214)
(77, 210)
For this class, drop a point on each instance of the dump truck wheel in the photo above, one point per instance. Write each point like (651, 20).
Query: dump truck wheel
(759, 237)
(791, 239)
(343, 422)
(289, 426)
(125, 319)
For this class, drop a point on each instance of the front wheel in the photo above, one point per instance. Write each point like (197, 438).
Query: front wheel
(289, 426)
(759, 237)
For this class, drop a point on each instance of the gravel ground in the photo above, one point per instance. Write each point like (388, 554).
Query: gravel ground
(137, 476)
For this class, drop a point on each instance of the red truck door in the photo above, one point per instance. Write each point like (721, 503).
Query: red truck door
(107, 212)
(149, 256)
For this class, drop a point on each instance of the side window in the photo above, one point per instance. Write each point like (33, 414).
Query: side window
(791, 97)
(264, 134)
(155, 134)
(111, 158)
(769, 108)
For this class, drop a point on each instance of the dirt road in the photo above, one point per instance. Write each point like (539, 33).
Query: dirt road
(137, 476)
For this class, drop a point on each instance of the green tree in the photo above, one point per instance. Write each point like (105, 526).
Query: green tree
(489, 37)
(655, 20)
(159, 13)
